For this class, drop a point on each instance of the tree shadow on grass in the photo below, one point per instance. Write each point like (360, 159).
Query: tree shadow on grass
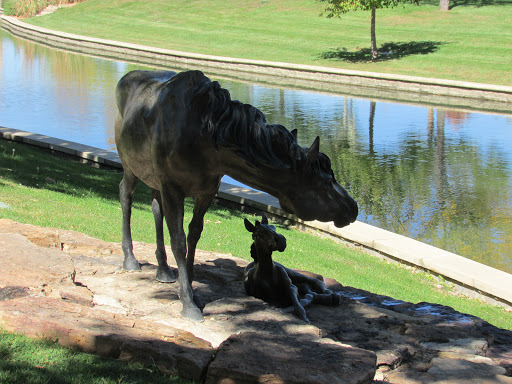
(388, 51)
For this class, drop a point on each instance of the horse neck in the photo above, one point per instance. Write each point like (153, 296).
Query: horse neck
(271, 181)
(262, 257)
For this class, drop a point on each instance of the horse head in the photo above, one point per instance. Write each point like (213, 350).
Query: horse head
(312, 192)
(265, 237)
(301, 178)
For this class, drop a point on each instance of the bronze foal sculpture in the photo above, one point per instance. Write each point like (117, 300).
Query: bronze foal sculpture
(274, 283)
(180, 133)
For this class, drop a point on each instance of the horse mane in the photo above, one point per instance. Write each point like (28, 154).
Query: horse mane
(242, 127)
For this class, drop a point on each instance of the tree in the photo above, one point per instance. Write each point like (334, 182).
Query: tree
(335, 8)
(444, 5)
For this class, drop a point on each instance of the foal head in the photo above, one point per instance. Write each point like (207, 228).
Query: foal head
(266, 239)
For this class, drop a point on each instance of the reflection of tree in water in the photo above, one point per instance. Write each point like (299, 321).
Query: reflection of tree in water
(79, 83)
(457, 119)
(447, 192)
(443, 191)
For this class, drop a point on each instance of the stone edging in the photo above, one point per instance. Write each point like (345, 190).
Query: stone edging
(475, 279)
(358, 83)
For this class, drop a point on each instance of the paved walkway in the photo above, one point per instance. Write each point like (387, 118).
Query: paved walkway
(475, 279)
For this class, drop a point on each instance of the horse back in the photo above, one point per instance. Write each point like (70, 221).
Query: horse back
(155, 131)
(138, 86)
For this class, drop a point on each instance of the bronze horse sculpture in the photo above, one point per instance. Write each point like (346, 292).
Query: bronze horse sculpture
(273, 282)
(179, 133)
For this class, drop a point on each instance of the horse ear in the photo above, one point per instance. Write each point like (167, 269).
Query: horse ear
(313, 150)
(248, 225)
(294, 133)
(264, 219)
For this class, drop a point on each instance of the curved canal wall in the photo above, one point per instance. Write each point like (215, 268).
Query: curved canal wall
(472, 278)
(357, 83)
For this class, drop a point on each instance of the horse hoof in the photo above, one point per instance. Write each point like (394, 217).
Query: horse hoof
(131, 265)
(193, 314)
(165, 275)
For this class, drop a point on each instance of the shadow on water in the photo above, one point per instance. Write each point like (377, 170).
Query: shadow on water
(387, 51)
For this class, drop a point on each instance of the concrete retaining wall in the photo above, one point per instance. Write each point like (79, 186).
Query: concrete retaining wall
(460, 94)
(472, 278)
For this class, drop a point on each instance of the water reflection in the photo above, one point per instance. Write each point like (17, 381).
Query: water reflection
(440, 176)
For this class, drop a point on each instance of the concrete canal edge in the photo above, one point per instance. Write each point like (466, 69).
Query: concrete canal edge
(413, 89)
(472, 278)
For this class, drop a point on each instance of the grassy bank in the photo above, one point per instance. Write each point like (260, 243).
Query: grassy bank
(45, 190)
(471, 42)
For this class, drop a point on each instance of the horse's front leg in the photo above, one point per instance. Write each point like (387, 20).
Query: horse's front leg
(164, 274)
(195, 228)
(126, 189)
(173, 201)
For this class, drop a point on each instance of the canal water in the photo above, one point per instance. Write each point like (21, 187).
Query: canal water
(440, 176)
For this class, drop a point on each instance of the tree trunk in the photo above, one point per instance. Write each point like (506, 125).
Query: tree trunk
(444, 5)
(375, 53)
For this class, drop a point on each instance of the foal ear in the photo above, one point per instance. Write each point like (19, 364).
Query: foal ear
(264, 219)
(294, 133)
(249, 226)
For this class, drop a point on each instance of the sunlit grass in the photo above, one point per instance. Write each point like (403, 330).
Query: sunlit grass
(470, 42)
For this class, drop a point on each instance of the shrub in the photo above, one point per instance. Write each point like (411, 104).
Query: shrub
(30, 8)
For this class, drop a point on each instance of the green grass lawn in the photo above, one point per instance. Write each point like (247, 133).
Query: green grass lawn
(26, 361)
(471, 42)
(46, 190)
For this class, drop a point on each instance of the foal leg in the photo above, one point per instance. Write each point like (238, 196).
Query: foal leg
(126, 188)
(293, 293)
(164, 274)
(173, 202)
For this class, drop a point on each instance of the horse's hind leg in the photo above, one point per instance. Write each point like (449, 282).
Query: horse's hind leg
(126, 189)
(164, 274)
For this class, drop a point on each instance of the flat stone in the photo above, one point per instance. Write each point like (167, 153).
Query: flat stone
(69, 287)
(501, 355)
(404, 377)
(460, 346)
(94, 330)
(474, 372)
(254, 358)
(25, 263)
